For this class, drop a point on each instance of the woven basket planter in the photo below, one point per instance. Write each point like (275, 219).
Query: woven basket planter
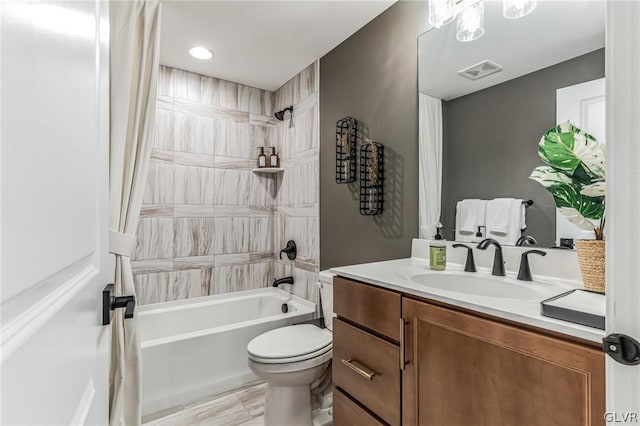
(591, 256)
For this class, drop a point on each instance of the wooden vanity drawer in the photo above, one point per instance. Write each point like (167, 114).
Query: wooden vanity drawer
(357, 354)
(348, 413)
(374, 308)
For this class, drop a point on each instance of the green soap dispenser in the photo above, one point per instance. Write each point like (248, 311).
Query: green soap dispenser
(438, 255)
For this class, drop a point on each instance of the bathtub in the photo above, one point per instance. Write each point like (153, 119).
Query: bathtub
(198, 347)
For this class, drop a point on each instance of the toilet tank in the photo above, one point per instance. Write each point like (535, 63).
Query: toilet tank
(326, 297)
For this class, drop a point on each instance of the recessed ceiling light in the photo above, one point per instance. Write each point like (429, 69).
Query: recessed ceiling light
(200, 52)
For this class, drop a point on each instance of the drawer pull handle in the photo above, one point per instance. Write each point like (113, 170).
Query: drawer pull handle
(361, 371)
(403, 362)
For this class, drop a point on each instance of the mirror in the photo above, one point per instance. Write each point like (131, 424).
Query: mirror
(486, 103)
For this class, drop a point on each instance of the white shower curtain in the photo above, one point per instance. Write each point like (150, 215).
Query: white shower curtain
(430, 172)
(134, 53)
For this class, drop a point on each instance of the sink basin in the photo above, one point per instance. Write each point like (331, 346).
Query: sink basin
(478, 286)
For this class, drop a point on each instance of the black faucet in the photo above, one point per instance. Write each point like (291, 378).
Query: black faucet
(470, 264)
(285, 280)
(524, 274)
(526, 240)
(290, 250)
(498, 260)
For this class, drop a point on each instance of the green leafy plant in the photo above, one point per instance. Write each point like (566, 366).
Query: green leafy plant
(574, 173)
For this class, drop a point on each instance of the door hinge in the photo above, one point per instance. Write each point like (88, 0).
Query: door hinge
(622, 348)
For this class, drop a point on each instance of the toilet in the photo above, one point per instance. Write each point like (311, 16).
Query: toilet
(293, 360)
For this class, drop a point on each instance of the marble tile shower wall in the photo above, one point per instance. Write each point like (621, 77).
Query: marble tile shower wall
(297, 211)
(208, 224)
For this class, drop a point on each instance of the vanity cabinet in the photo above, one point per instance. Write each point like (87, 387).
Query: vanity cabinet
(366, 367)
(464, 369)
(366, 352)
(367, 306)
(402, 360)
(348, 412)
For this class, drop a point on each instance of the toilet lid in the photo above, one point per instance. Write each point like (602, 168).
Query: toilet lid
(289, 342)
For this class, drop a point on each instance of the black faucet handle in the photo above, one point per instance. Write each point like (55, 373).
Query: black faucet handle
(524, 273)
(470, 264)
(290, 250)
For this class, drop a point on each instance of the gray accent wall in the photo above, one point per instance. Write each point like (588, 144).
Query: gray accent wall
(491, 139)
(373, 77)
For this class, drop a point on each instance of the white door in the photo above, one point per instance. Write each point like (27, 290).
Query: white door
(54, 207)
(584, 105)
(623, 202)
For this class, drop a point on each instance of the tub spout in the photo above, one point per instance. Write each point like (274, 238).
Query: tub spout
(285, 280)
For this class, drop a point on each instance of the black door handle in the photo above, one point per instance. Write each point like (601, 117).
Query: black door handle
(622, 348)
(110, 302)
(126, 302)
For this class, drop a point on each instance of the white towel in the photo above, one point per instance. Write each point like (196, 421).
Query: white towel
(470, 215)
(505, 219)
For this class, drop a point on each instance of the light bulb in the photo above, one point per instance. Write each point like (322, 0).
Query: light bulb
(514, 9)
(200, 52)
(470, 23)
(441, 12)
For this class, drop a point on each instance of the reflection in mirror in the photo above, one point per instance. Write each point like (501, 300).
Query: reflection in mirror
(484, 106)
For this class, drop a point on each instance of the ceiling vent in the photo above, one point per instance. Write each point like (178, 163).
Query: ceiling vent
(480, 70)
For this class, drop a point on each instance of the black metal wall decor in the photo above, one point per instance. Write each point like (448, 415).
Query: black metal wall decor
(371, 178)
(346, 135)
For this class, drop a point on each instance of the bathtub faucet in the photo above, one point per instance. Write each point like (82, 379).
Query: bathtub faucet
(285, 280)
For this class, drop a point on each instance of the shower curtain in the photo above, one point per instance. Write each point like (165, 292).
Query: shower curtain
(430, 171)
(134, 57)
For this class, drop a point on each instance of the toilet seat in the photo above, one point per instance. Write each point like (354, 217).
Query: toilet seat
(294, 343)
(282, 368)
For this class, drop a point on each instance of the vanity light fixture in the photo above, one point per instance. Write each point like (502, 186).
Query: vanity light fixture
(470, 23)
(514, 9)
(470, 13)
(441, 12)
(201, 53)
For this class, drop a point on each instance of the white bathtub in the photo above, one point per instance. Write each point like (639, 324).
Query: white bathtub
(198, 347)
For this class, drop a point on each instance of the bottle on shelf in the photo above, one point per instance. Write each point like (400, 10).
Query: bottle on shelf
(274, 159)
(262, 158)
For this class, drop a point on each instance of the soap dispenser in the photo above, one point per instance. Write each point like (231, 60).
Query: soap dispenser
(262, 158)
(438, 255)
(438, 236)
(274, 159)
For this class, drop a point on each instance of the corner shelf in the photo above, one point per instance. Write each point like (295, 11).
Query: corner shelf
(268, 170)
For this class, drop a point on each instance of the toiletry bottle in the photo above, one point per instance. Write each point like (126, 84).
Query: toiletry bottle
(262, 159)
(438, 236)
(274, 160)
(438, 255)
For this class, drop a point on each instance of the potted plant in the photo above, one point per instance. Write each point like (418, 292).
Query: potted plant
(574, 173)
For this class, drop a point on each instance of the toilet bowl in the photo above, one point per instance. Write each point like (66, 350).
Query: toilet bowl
(291, 359)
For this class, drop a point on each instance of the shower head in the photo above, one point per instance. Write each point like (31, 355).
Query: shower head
(280, 114)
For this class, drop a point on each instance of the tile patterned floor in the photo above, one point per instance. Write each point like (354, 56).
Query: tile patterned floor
(243, 407)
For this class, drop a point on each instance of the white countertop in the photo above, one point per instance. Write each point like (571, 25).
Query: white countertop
(394, 275)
